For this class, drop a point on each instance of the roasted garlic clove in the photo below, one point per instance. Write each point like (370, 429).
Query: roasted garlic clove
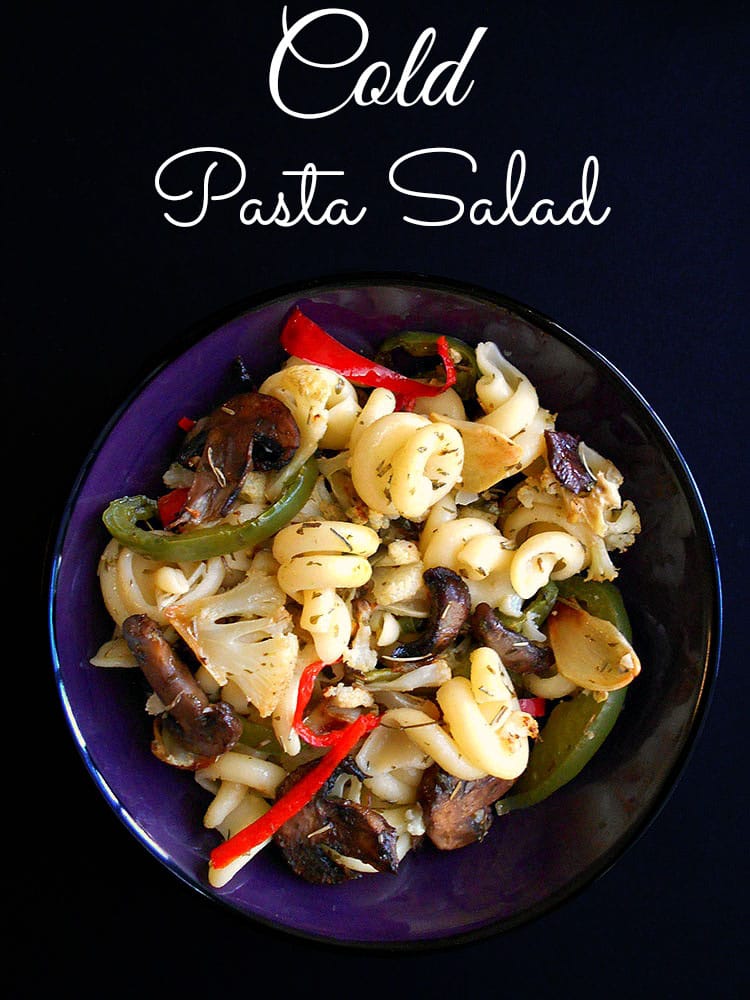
(590, 651)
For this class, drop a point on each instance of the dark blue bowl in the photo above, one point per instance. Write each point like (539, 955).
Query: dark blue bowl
(532, 860)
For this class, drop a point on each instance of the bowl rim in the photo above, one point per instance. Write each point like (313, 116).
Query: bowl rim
(179, 343)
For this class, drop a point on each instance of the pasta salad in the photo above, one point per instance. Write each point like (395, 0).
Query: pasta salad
(373, 610)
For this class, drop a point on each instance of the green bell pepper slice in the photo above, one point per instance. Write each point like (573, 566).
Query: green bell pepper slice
(602, 599)
(260, 737)
(419, 344)
(122, 516)
(576, 728)
(535, 612)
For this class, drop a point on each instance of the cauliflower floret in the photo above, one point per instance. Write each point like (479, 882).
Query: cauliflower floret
(178, 476)
(623, 527)
(360, 654)
(321, 505)
(400, 553)
(254, 487)
(600, 565)
(394, 585)
(245, 635)
(348, 696)
(323, 403)
(324, 406)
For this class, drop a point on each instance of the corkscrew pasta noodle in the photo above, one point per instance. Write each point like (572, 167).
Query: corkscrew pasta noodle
(511, 406)
(317, 559)
(132, 584)
(545, 556)
(403, 463)
(435, 741)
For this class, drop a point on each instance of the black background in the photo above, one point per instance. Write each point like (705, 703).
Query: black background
(100, 285)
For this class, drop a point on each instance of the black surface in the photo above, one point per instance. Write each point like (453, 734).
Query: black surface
(99, 284)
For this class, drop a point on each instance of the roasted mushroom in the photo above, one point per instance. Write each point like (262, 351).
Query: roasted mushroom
(198, 726)
(249, 431)
(518, 653)
(457, 813)
(566, 462)
(450, 606)
(315, 839)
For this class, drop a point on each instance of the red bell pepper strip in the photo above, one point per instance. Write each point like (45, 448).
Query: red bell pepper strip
(304, 691)
(170, 505)
(537, 707)
(444, 350)
(303, 338)
(296, 798)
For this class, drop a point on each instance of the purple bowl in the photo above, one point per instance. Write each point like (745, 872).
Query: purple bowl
(532, 860)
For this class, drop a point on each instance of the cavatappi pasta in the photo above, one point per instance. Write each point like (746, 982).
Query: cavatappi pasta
(428, 517)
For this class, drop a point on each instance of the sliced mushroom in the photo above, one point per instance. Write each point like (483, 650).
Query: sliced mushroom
(249, 431)
(518, 653)
(450, 606)
(457, 813)
(193, 723)
(589, 651)
(566, 462)
(315, 839)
